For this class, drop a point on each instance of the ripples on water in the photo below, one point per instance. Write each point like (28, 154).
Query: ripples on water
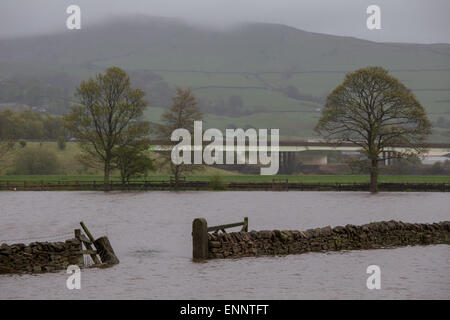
(151, 234)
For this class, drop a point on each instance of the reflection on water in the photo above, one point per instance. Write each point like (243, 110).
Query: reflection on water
(151, 234)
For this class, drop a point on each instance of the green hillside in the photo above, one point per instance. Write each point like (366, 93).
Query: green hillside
(280, 74)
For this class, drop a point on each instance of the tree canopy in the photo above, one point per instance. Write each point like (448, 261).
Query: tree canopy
(375, 111)
(182, 114)
(107, 117)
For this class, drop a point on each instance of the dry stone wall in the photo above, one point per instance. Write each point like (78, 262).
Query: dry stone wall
(39, 257)
(374, 235)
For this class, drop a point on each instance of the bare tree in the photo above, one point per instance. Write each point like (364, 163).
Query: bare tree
(375, 111)
(181, 114)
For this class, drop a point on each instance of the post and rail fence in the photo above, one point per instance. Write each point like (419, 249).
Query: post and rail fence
(274, 185)
(102, 247)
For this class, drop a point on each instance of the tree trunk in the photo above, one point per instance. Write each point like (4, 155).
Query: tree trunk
(123, 175)
(374, 176)
(107, 170)
(177, 176)
(105, 251)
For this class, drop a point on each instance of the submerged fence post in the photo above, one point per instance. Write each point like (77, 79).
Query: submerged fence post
(80, 261)
(77, 234)
(88, 245)
(245, 226)
(199, 239)
(105, 251)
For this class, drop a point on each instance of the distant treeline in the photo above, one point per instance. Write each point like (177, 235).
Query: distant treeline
(55, 94)
(29, 125)
(51, 94)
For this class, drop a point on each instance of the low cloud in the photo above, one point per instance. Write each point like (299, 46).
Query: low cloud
(402, 20)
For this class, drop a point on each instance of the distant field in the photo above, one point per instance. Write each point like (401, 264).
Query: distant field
(234, 178)
(296, 118)
(67, 158)
(291, 124)
(254, 61)
(74, 171)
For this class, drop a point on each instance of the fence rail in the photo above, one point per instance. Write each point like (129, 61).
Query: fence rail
(222, 227)
(274, 185)
(200, 235)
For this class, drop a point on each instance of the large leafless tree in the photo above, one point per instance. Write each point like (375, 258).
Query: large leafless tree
(181, 114)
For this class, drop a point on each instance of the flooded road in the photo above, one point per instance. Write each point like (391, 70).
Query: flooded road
(151, 234)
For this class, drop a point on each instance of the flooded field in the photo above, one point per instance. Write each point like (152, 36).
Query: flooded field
(151, 234)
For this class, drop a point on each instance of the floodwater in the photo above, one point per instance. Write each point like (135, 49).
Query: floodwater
(151, 234)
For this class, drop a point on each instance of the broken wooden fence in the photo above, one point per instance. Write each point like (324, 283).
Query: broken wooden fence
(102, 247)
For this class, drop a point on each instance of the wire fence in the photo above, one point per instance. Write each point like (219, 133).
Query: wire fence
(89, 255)
(35, 238)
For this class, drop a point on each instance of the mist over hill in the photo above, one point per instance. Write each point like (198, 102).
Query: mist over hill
(251, 75)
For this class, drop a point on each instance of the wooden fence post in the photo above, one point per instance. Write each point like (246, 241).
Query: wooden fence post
(105, 251)
(245, 226)
(80, 262)
(103, 246)
(199, 239)
(86, 230)
(88, 245)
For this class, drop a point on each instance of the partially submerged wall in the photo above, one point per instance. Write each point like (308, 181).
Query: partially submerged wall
(40, 256)
(369, 236)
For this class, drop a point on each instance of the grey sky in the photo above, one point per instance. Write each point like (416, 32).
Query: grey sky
(422, 21)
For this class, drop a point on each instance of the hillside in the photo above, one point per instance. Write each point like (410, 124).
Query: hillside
(260, 75)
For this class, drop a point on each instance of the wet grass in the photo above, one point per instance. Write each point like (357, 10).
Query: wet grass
(66, 179)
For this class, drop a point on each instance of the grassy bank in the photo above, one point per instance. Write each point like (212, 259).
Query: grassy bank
(75, 172)
(46, 179)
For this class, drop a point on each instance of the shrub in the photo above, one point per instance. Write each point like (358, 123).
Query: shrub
(36, 161)
(61, 143)
(216, 183)
(436, 168)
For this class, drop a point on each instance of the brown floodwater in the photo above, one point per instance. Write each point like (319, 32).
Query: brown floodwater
(151, 234)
